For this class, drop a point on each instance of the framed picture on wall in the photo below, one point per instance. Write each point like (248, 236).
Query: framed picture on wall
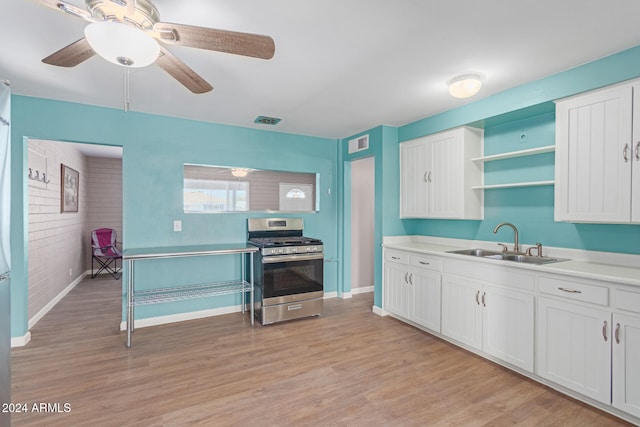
(69, 183)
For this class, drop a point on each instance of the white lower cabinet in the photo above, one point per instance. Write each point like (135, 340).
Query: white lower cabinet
(425, 298)
(626, 363)
(574, 347)
(507, 325)
(586, 344)
(396, 289)
(586, 332)
(461, 310)
(411, 292)
(496, 320)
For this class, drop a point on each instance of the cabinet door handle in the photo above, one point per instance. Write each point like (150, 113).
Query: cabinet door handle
(405, 278)
(424, 177)
(429, 177)
(478, 297)
(484, 295)
(411, 279)
(604, 330)
(638, 150)
(571, 291)
(617, 333)
(625, 152)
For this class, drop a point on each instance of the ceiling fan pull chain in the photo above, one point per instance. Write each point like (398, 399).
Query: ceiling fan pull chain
(126, 89)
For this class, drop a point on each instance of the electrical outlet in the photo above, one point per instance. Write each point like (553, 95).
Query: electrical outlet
(177, 225)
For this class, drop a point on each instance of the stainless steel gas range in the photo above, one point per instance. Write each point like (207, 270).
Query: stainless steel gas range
(288, 270)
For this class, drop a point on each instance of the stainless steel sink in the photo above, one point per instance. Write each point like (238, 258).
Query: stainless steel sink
(476, 252)
(526, 259)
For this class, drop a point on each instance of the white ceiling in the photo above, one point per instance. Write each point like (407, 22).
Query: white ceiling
(340, 67)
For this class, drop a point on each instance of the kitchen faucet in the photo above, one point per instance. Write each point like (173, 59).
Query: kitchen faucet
(516, 247)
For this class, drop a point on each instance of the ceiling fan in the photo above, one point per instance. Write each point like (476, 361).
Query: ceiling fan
(127, 32)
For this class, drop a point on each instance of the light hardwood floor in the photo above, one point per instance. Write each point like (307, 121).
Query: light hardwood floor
(349, 367)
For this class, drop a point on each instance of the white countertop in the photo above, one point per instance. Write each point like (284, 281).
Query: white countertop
(607, 266)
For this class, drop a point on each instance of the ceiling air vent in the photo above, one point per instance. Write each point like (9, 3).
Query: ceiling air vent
(264, 120)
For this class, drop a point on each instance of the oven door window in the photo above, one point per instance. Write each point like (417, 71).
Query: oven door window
(292, 277)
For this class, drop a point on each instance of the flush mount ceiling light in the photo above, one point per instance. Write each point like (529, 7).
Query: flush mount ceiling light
(465, 86)
(122, 44)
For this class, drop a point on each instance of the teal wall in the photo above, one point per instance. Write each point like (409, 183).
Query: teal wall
(156, 147)
(154, 151)
(383, 146)
(504, 117)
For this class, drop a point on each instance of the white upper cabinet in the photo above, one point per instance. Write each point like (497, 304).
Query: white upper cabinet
(437, 175)
(598, 156)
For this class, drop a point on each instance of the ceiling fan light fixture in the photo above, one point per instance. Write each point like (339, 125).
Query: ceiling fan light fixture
(465, 86)
(122, 44)
(239, 172)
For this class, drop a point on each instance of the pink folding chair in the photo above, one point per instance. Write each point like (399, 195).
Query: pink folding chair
(105, 252)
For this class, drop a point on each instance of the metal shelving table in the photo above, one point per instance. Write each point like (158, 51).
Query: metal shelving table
(179, 293)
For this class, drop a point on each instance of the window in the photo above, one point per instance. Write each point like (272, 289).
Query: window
(206, 195)
(296, 197)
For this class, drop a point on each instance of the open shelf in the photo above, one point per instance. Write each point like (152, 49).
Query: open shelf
(512, 154)
(514, 185)
(180, 293)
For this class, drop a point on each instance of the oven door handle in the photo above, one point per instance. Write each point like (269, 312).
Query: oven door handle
(292, 257)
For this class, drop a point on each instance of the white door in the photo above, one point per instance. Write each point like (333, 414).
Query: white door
(507, 325)
(626, 364)
(425, 298)
(445, 184)
(461, 310)
(396, 289)
(574, 347)
(362, 223)
(414, 171)
(593, 157)
(635, 158)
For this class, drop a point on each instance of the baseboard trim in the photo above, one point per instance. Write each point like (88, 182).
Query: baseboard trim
(181, 317)
(379, 311)
(40, 314)
(345, 295)
(362, 290)
(193, 315)
(21, 341)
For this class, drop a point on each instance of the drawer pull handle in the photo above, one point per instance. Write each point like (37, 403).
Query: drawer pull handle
(425, 263)
(294, 307)
(395, 257)
(604, 331)
(571, 291)
(617, 334)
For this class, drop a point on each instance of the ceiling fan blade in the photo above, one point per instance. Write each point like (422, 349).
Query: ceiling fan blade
(72, 55)
(67, 8)
(246, 44)
(181, 72)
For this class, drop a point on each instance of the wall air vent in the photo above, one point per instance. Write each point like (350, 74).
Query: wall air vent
(264, 120)
(358, 144)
